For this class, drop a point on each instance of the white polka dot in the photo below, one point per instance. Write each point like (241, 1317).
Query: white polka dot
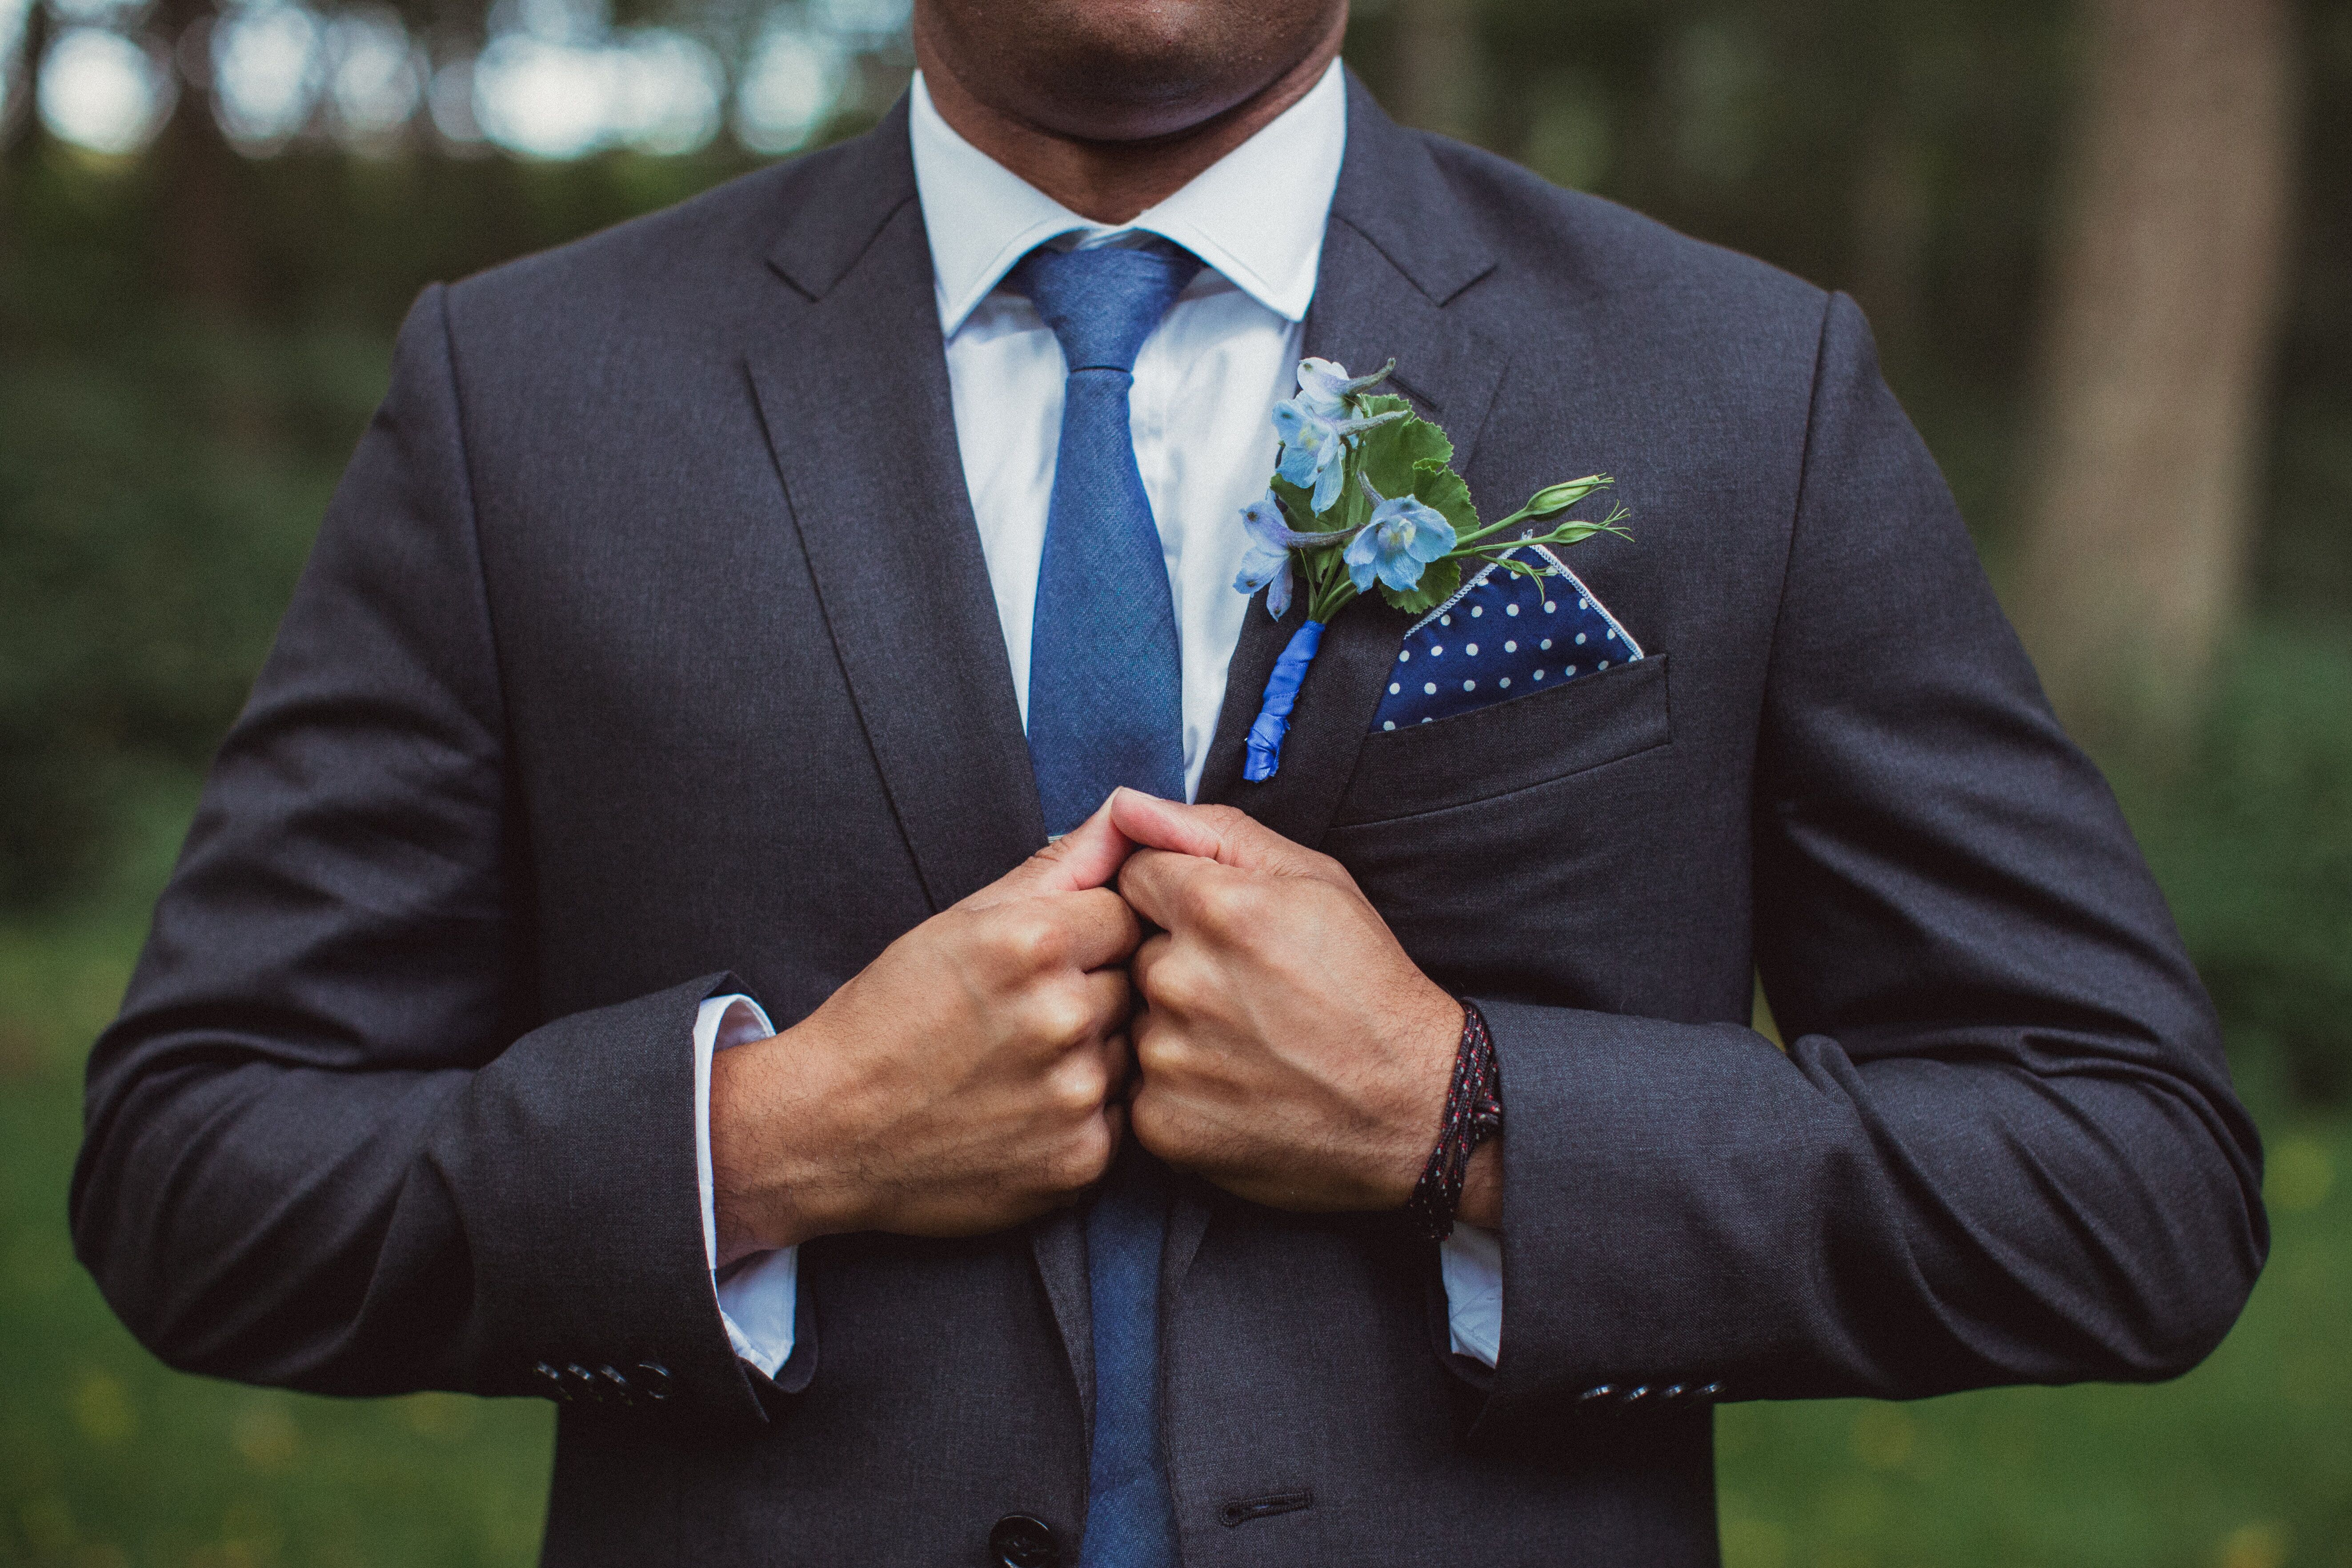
(1511, 609)
(1510, 647)
(1472, 650)
(1539, 675)
(1584, 604)
(1436, 650)
(1477, 610)
(1504, 683)
(1612, 636)
(1404, 655)
(1550, 608)
(1445, 620)
(1390, 725)
(1569, 674)
(1545, 645)
(1424, 720)
(1602, 665)
(1579, 639)
(1394, 688)
(1430, 689)
(1469, 685)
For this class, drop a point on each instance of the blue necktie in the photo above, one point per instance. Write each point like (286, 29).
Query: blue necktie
(1105, 684)
(1105, 708)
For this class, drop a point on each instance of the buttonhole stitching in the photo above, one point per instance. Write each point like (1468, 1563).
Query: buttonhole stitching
(1241, 1510)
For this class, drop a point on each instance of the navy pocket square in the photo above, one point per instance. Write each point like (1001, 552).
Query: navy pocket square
(1502, 635)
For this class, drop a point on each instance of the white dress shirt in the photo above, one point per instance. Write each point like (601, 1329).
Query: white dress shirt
(1205, 385)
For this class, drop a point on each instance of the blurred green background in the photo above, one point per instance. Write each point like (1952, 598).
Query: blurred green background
(2107, 247)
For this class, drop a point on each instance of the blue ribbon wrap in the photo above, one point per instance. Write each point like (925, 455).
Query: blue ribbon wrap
(1281, 693)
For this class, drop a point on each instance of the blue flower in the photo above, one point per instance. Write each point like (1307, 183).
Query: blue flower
(1314, 448)
(1324, 387)
(1265, 564)
(1398, 545)
(1268, 561)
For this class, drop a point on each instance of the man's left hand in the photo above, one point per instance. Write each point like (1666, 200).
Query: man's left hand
(1291, 1053)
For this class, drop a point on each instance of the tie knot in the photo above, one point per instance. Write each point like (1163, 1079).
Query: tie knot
(1102, 303)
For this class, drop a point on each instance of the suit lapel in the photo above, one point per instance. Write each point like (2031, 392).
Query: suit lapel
(1397, 256)
(853, 389)
(851, 376)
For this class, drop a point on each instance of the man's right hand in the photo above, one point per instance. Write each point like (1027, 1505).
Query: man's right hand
(970, 1078)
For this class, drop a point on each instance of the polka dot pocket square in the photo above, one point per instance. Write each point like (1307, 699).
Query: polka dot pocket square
(1503, 636)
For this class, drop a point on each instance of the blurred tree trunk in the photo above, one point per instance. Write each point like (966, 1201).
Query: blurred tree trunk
(203, 234)
(1437, 66)
(2158, 349)
(20, 125)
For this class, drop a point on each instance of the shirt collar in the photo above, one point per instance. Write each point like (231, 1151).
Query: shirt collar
(1255, 215)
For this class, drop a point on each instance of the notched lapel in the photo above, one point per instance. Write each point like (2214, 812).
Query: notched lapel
(1399, 264)
(853, 390)
(851, 376)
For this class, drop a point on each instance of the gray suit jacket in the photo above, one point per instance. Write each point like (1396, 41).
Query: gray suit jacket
(647, 651)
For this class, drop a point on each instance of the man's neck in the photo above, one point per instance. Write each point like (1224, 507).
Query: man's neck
(1113, 182)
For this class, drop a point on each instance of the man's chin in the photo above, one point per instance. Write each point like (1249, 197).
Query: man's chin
(1124, 71)
(1143, 113)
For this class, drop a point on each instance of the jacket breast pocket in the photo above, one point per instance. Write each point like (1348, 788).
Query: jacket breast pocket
(1514, 745)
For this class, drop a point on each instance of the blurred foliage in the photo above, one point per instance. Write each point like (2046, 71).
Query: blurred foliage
(2253, 841)
(163, 468)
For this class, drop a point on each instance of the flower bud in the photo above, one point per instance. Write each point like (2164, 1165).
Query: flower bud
(1559, 498)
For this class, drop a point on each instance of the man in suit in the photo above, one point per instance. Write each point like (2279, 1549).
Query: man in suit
(738, 619)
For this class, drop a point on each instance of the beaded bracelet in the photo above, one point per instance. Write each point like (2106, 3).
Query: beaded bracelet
(1474, 1114)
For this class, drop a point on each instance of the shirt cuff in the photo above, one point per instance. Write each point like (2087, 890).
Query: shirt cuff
(757, 1298)
(1471, 1262)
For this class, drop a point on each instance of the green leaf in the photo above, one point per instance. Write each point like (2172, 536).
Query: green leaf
(1300, 504)
(1437, 486)
(1391, 453)
(1439, 581)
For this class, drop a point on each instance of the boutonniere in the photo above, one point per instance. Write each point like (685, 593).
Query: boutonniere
(1365, 496)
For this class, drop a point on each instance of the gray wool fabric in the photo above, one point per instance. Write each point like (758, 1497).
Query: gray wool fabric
(647, 652)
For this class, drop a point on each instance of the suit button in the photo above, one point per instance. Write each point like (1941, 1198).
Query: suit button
(1711, 1391)
(1672, 1391)
(653, 1379)
(615, 1387)
(1020, 1540)
(551, 1382)
(1592, 1394)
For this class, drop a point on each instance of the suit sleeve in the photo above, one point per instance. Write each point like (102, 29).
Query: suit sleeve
(2001, 1146)
(325, 1145)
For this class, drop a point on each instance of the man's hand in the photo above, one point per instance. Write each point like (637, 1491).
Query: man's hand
(1292, 1054)
(968, 1079)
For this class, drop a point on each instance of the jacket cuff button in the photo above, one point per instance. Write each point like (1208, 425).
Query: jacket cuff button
(580, 1383)
(653, 1379)
(551, 1382)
